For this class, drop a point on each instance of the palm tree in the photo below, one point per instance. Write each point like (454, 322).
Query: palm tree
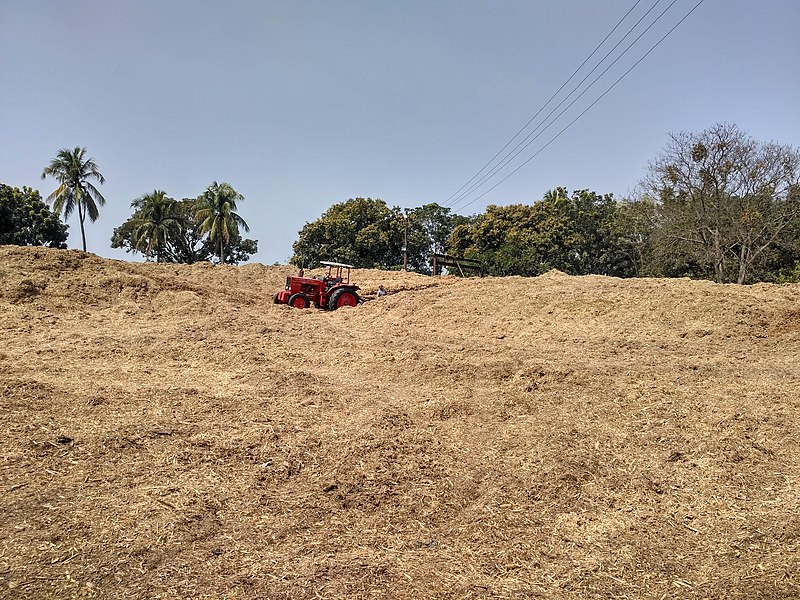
(215, 211)
(73, 170)
(156, 219)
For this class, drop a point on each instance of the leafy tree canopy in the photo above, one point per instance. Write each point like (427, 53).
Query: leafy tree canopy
(577, 234)
(25, 220)
(360, 231)
(367, 233)
(157, 219)
(216, 212)
(429, 228)
(181, 239)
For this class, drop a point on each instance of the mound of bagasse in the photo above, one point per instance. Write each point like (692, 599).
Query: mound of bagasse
(169, 432)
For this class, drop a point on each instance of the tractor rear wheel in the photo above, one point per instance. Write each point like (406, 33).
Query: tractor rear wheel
(298, 301)
(343, 297)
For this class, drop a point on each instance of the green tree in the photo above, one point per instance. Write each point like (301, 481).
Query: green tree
(429, 228)
(790, 274)
(188, 245)
(577, 234)
(784, 258)
(636, 224)
(157, 221)
(367, 233)
(725, 199)
(182, 243)
(364, 232)
(594, 245)
(74, 170)
(25, 220)
(216, 212)
(516, 239)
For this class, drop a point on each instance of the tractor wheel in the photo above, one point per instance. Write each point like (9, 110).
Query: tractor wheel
(275, 299)
(343, 297)
(298, 301)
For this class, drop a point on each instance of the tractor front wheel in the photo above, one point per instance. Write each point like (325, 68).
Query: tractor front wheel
(298, 301)
(341, 298)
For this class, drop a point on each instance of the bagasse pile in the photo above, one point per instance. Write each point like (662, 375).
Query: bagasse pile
(168, 432)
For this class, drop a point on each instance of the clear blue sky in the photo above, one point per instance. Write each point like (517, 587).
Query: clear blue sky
(302, 104)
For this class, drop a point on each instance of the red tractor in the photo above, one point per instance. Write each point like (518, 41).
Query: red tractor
(331, 291)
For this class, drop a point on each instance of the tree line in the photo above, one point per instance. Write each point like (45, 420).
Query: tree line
(715, 204)
(161, 228)
(189, 230)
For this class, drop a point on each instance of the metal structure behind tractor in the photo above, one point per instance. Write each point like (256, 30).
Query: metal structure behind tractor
(331, 291)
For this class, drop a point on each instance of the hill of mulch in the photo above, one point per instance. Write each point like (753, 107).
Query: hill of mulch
(169, 432)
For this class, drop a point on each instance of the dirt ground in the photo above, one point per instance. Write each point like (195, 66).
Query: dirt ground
(169, 432)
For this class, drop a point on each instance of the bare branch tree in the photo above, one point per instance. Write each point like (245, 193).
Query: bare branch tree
(725, 197)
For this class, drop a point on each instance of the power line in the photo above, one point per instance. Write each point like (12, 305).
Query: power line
(563, 85)
(524, 145)
(514, 153)
(555, 137)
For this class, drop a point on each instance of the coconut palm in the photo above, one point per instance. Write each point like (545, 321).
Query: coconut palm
(73, 170)
(215, 211)
(155, 220)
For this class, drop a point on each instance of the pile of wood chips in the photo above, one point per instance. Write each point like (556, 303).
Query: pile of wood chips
(169, 432)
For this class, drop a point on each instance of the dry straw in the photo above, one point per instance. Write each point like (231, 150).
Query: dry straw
(168, 432)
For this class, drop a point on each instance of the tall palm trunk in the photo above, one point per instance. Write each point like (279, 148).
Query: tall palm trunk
(81, 218)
